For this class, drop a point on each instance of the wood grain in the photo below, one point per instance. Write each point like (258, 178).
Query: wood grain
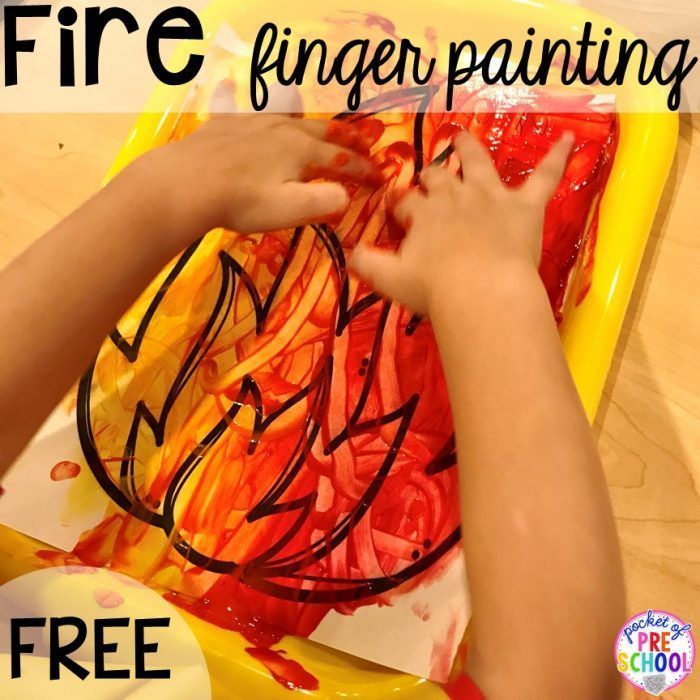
(649, 420)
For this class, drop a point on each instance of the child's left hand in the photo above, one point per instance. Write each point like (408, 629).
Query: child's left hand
(244, 172)
(251, 173)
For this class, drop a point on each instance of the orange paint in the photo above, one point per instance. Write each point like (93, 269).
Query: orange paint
(68, 561)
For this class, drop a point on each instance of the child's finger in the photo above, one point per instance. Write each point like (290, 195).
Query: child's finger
(547, 175)
(381, 269)
(293, 204)
(404, 208)
(305, 203)
(477, 166)
(435, 178)
(341, 164)
(337, 132)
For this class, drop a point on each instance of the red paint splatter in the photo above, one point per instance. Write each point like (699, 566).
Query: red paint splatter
(287, 672)
(107, 598)
(238, 613)
(442, 657)
(65, 470)
(372, 19)
(462, 688)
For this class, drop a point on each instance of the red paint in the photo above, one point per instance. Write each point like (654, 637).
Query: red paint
(359, 137)
(287, 672)
(58, 558)
(517, 142)
(341, 160)
(107, 598)
(462, 688)
(64, 471)
(363, 173)
(370, 428)
(442, 654)
(237, 614)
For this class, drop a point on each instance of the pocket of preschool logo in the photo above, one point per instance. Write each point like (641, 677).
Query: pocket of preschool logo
(655, 651)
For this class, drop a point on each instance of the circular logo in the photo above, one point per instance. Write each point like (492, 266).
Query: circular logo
(85, 633)
(655, 651)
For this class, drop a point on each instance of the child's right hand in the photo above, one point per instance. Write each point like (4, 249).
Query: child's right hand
(462, 233)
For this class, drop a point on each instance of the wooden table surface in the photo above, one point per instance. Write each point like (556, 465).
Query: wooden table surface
(649, 421)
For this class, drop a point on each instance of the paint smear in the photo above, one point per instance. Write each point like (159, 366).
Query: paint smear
(64, 470)
(462, 688)
(237, 615)
(312, 462)
(287, 672)
(421, 610)
(442, 656)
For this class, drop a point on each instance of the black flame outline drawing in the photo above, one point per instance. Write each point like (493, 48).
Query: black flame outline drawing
(260, 572)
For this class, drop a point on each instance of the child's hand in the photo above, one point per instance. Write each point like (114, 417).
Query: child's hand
(251, 173)
(464, 233)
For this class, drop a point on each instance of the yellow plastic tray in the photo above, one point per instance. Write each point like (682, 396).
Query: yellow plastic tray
(589, 333)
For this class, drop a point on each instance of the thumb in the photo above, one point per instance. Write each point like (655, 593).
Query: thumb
(292, 204)
(307, 203)
(548, 174)
(383, 270)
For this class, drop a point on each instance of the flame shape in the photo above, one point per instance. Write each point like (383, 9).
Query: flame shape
(284, 427)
